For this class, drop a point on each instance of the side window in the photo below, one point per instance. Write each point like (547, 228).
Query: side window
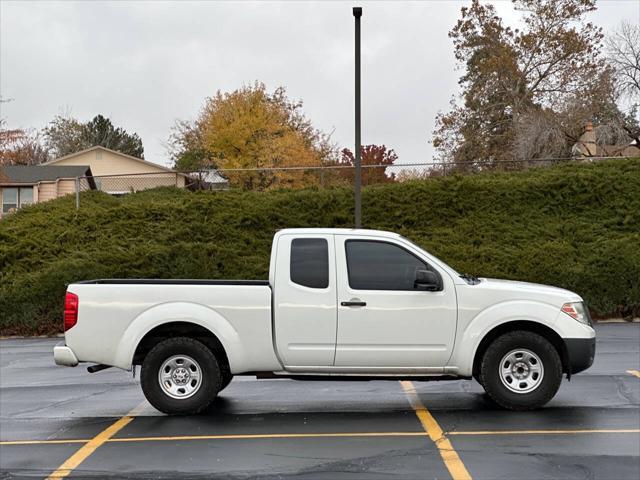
(309, 264)
(375, 265)
(26, 196)
(9, 199)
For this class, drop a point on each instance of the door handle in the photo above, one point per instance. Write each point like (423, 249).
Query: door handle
(354, 303)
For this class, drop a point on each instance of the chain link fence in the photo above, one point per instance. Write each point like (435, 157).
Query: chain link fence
(321, 176)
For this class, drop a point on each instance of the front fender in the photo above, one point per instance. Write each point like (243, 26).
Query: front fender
(471, 334)
(197, 314)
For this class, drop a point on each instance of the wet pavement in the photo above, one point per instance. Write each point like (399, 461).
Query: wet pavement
(319, 429)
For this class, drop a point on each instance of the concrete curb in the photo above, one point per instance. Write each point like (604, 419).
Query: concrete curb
(23, 337)
(618, 320)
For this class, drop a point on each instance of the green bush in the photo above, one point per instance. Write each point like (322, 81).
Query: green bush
(574, 226)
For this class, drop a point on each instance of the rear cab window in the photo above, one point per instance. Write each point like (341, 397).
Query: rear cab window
(309, 263)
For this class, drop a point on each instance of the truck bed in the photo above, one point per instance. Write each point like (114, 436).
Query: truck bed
(120, 312)
(174, 281)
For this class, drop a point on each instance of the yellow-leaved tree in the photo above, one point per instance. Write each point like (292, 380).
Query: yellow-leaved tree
(248, 129)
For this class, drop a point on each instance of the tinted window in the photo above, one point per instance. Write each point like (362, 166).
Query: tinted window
(310, 262)
(381, 266)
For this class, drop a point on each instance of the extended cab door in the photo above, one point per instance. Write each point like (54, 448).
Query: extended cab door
(305, 300)
(384, 320)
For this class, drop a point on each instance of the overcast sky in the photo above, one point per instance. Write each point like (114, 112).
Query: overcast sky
(144, 64)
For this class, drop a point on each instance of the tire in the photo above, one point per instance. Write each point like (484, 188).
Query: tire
(509, 367)
(227, 376)
(191, 372)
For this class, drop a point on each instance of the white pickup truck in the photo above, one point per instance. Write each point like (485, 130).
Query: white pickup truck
(338, 303)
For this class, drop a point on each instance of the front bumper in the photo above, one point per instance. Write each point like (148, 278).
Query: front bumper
(63, 355)
(580, 353)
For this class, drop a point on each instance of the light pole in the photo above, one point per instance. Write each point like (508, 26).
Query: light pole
(357, 13)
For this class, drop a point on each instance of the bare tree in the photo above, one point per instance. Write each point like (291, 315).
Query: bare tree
(538, 136)
(552, 133)
(21, 146)
(623, 52)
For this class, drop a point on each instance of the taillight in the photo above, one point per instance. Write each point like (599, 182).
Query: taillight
(70, 310)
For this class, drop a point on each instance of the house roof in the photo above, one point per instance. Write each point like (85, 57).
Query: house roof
(630, 150)
(98, 147)
(32, 174)
(211, 176)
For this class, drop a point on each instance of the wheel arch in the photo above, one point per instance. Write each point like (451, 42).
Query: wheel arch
(526, 325)
(187, 318)
(181, 329)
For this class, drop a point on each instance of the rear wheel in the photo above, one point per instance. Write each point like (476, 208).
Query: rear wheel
(521, 370)
(180, 376)
(227, 376)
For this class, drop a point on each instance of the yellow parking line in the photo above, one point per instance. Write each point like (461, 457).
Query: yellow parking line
(258, 436)
(450, 457)
(41, 442)
(634, 372)
(88, 448)
(542, 432)
(269, 436)
(248, 436)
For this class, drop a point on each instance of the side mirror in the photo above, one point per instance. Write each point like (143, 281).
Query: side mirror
(427, 280)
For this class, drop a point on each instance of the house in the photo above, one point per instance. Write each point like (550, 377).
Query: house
(586, 147)
(209, 179)
(118, 173)
(22, 185)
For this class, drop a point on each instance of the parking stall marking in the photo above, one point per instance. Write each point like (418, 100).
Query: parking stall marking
(43, 442)
(241, 436)
(450, 457)
(258, 436)
(635, 373)
(543, 432)
(92, 445)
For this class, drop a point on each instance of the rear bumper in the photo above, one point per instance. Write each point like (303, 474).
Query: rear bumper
(581, 352)
(63, 355)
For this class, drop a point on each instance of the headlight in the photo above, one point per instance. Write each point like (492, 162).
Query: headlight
(578, 311)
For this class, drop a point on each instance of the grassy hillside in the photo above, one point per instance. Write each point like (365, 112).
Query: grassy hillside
(575, 226)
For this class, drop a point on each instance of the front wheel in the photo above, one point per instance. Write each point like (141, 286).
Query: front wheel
(180, 376)
(521, 370)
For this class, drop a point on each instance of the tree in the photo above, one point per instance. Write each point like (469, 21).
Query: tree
(623, 52)
(546, 133)
(66, 135)
(251, 128)
(510, 72)
(370, 155)
(186, 146)
(21, 147)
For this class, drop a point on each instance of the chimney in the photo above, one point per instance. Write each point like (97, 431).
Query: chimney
(586, 144)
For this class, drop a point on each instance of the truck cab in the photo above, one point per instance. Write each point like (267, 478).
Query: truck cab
(353, 303)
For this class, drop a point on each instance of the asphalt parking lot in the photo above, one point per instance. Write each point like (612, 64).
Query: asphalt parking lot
(61, 421)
